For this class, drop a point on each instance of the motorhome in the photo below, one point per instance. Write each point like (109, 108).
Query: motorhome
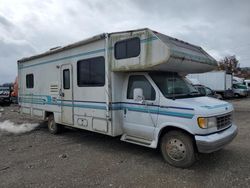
(129, 84)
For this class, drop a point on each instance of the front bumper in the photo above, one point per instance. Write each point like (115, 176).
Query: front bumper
(243, 94)
(216, 141)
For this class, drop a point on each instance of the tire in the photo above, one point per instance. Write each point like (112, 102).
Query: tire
(53, 127)
(237, 95)
(177, 149)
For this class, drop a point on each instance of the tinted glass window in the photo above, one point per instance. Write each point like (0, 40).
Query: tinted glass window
(133, 47)
(91, 72)
(173, 86)
(139, 81)
(201, 90)
(66, 79)
(120, 50)
(127, 48)
(29, 81)
(209, 91)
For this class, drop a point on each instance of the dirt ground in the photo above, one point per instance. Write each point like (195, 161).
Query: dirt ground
(85, 159)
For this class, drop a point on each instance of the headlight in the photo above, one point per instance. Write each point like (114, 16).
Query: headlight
(206, 123)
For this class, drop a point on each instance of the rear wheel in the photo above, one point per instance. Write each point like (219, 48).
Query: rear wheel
(177, 149)
(53, 127)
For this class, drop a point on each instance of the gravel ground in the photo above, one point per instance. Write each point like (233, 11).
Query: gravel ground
(85, 159)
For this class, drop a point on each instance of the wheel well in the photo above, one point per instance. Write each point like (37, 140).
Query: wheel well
(172, 128)
(47, 114)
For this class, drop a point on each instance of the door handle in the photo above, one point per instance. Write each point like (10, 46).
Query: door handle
(61, 93)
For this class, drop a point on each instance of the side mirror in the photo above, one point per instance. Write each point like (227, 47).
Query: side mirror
(138, 95)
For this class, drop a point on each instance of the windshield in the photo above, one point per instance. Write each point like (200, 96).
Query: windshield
(240, 86)
(201, 90)
(173, 86)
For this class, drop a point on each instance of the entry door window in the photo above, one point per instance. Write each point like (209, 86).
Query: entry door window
(66, 79)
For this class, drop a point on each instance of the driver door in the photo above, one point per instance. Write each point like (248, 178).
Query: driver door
(140, 117)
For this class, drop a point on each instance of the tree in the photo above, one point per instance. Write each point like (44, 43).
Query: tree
(230, 64)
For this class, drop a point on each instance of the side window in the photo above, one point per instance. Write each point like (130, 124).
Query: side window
(202, 91)
(139, 81)
(66, 79)
(127, 48)
(209, 91)
(29, 81)
(91, 72)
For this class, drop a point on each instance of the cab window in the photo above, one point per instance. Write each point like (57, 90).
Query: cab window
(140, 81)
(127, 48)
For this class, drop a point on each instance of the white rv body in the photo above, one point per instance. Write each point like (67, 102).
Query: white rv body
(107, 108)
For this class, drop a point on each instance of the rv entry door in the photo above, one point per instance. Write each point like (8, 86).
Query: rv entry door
(66, 94)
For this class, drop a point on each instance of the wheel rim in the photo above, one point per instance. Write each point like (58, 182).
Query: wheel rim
(176, 149)
(51, 124)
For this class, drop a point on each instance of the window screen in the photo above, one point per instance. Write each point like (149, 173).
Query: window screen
(140, 81)
(127, 48)
(91, 72)
(66, 79)
(29, 81)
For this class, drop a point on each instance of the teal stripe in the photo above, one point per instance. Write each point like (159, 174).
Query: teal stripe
(150, 39)
(33, 95)
(152, 110)
(160, 112)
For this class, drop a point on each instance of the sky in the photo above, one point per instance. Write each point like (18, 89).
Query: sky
(29, 27)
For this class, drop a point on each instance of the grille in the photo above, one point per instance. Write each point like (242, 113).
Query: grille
(224, 121)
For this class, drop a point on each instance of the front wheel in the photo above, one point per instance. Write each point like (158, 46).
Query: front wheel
(177, 149)
(237, 95)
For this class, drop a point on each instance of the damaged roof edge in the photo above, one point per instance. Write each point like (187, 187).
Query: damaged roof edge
(70, 46)
(60, 49)
(167, 40)
(102, 36)
(128, 31)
